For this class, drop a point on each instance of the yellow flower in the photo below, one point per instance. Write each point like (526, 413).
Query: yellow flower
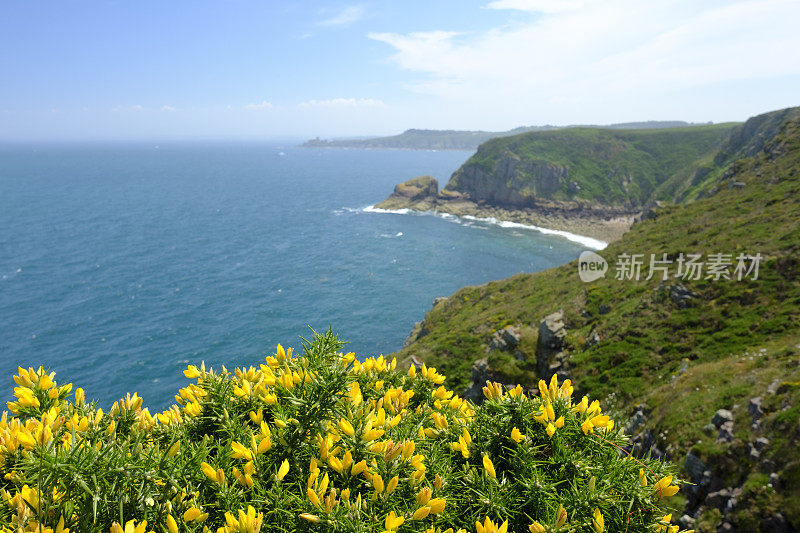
(130, 527)
(392, 484)
(247, 522)
(550, 429)
(173, 450)
(490, 527)
(193, 514)
(561, 516)
(314, 519)
(664, 489)
(283, 470)
(489, 467)
(437, 505)
(240, 452)
(421, 513)
(536, 527)
(172, 525)
(359, 467)
(597, 521)
(393, 521)
(313, 498)
(346, 427)
(191, 372)
(517, 436)
(664, 521)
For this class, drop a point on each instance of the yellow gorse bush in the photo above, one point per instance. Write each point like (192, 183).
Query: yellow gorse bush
(321, 442)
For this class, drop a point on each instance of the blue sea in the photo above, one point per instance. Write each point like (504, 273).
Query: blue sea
(120, 263)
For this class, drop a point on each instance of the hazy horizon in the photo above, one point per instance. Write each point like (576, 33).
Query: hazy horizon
(246, 70)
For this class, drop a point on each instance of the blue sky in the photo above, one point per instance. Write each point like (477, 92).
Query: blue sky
(91, 69)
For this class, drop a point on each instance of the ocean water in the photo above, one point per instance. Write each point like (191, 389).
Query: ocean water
(121, 263)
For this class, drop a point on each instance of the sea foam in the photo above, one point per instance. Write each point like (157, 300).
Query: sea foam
(583, 240)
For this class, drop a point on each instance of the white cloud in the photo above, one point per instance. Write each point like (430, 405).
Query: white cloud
(601, 53)
(168, 108)
(342, 103)
(537, 6)
(137, 108)
(263, 106)
(345, 17)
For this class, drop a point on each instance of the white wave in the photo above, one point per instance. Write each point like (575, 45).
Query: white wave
(583, 240)
(399, 234)
(373, 209)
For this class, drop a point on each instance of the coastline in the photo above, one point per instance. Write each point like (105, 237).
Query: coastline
(594, 234)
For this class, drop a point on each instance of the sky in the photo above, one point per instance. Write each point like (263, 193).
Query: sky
(259, 69)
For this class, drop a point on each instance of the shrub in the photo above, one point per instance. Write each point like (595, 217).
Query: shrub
(321, 442)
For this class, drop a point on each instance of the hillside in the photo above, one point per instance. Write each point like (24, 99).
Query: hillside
(707, 371)
(419, 139)
(584, 165)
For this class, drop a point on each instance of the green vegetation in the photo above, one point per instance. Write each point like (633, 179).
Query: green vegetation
(605, 166)
(322, 442)
(416, 139)
(682, 360)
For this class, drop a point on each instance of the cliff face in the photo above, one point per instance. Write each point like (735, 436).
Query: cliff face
(511, 182)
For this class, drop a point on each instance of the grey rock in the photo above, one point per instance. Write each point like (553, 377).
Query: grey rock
(767, 466)
(754, 408)
(725, 527)
(775, 481)
(645, 444)
(695, 467)
(726, 432)
(718, 499)
(682, 296)
(773, 387)
(754, 455)
(760, 443)
(720, 417)
(439, 299)
(686, 522)
(776, 523)
(636, 421)
(505, 339)
(417, 332)
(593, 340)
(481, 373)
(550, 345)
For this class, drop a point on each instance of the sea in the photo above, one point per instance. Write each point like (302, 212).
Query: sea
(121, 263)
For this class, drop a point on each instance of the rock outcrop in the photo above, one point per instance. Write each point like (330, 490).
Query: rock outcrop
(417, 193)
(511, 182)
(550, 357)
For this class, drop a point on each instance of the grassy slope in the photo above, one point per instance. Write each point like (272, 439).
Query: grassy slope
(646, 338)
(611, 166)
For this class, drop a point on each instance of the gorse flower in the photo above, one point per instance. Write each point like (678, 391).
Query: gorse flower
(320, 441)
